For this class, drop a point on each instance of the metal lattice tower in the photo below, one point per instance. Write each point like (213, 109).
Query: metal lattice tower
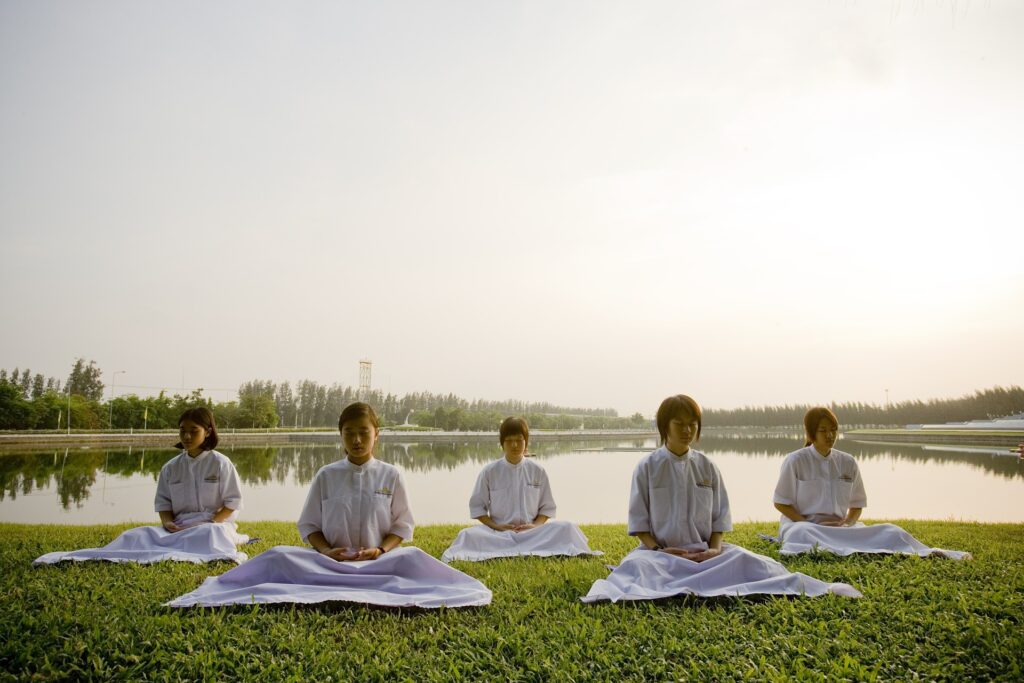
(365, 367)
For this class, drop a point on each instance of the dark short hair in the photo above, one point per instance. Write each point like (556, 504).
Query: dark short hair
(203, 417)
(813, 418)
(511, 426)
(680, 404)
(354, 411)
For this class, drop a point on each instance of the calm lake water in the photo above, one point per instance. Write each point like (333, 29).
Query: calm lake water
(590, 479)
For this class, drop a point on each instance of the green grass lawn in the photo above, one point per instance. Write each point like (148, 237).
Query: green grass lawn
(920, 619)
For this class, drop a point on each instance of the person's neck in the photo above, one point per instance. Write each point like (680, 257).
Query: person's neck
(818, 451)
(196, 454)
(359, 462)
(673, 452)
(512, 460)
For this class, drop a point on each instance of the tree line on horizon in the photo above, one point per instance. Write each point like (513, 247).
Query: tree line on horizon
(984, 404)
(31, 401)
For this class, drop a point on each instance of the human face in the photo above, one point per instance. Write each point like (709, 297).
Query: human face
(825, 436)
(192, 436)
(682, 430)
(514, 447)
(359, 435)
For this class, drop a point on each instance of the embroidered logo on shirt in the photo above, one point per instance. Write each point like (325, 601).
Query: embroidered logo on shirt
(212, 479)
(534, 484)
(384, 491)
(706, 484)
(845, 477)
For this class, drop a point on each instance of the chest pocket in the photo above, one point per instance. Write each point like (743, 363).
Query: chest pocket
(335, 514)
(813, 496)
(181, 500)
(209, 495)
(381, 499)
(532, 492)
(843, 491)
(663, 507)
(502, 505)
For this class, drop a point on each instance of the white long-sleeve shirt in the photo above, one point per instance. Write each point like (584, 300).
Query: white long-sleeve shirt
(512, 494)
(356, 506)
(681, 500)
(819, 486)
(203, 484)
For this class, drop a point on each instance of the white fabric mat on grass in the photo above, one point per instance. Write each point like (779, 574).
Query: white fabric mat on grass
(555, 537)
(404, 577)
(805, 537)
(148, 544)
(650, 575)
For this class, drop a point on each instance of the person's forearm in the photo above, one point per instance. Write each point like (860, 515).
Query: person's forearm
(222, 514)
(318, 541)
(715, 542)
(488, 522)
(540, 519)
(648, 539)
(852, 515)
(166, 516)
(790, 512)
(390, 542)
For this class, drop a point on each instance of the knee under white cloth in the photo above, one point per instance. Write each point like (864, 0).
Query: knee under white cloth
(650, 575)
(555, 537)
(149, 544)
(805, 537)
(403, 577)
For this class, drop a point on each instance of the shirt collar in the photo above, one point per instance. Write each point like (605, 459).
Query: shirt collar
(676, 458)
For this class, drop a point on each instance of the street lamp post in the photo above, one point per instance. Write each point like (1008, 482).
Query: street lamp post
(113, 383)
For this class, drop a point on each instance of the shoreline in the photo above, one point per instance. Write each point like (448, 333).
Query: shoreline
(269, 437)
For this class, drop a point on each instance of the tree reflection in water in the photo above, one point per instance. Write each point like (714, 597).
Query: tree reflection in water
(73, 473)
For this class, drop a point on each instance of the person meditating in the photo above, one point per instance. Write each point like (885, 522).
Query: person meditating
(512, 501)
(198, 497)
(821, 495)
(356, 516)
(679, 511)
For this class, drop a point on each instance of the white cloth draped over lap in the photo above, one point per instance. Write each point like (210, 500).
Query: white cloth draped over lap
(805, 537)
(148, 544)
(551, 538)
(650, 575)
(404, 577)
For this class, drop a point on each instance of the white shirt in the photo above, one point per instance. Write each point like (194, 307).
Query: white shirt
(205, 483)
(681, 500)
(356, 506)
(512, 494)
(820, 486)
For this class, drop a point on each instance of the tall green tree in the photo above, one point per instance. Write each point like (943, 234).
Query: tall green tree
(256, 404)
(84, 380)
(15, 411)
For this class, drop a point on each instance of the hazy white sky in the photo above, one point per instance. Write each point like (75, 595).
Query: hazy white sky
(593, 204)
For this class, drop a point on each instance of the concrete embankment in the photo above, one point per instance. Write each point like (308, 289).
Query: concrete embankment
(167, 438)
(964, 437)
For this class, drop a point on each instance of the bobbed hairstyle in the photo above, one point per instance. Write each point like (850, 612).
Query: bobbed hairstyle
(354, 411)
(674, 406)
(513, 426)
(203, 417)
(813, 418)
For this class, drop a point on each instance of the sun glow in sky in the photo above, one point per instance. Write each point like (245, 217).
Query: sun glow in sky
(594, 204)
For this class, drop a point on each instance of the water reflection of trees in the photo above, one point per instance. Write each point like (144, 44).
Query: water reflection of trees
(773, 446)
(72, 474)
